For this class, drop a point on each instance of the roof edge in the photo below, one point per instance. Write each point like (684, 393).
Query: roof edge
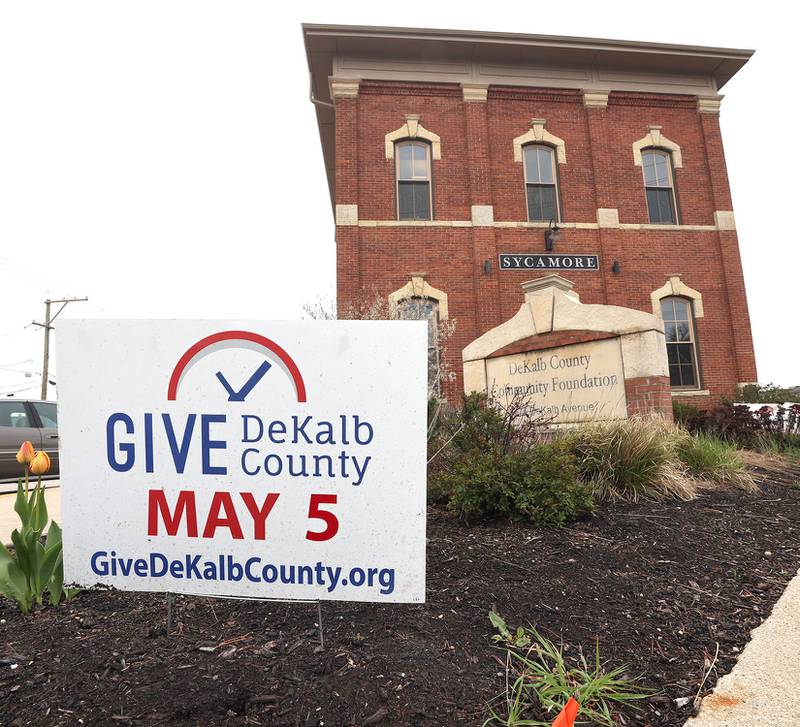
(471, 36)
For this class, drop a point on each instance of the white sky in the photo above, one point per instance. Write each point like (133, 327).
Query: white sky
(162, 158)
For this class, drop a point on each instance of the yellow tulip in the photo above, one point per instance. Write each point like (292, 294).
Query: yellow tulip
(26, 453)
(40, 463)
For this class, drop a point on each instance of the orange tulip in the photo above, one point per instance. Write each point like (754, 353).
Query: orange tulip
(566, 717)
(40, 463)
(26, 453)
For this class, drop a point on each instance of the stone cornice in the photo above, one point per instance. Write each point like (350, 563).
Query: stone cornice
(551, 95)
(401, 88)
(644, 227)
(660, 100)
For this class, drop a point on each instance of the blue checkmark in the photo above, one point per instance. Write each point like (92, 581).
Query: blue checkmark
(248, 385)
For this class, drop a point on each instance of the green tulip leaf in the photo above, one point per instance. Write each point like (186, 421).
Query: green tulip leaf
(53, 539)
(47, 565)
(39, 513)
(22, 550)
(56, 584)
(13, 583)
(21, 506)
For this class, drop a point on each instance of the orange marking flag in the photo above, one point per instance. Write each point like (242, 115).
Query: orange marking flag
(566, 717)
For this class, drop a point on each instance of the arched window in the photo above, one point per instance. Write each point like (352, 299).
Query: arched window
(681, 344)
(659, 186)
(413, 169)
(419, 308)
(541, 185)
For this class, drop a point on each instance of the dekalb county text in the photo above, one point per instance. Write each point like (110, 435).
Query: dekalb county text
(130, 446)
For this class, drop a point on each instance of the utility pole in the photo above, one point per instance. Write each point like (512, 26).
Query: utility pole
(47, 325)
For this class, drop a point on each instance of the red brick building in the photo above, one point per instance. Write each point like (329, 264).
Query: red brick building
(452, 155)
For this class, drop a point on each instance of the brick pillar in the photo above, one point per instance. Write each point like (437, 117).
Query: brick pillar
(484, 242)
(609, 239)
(715, 156)
(348, 258)
(648, 395)
(742, 337)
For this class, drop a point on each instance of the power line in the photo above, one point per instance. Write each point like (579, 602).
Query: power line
(8, 366)
(17, 390)
(20, 270)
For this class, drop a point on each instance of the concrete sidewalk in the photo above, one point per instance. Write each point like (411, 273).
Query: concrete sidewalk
(9, 520)
(764, 686)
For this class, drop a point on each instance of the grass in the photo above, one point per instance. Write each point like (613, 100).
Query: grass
(787, 446)
(650, 458)
(631, 460)
(714, 460)
(543, 681)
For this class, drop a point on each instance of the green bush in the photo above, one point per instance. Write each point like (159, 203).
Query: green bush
(765, 394)
(712, 459)
(631, 459)
(538, 485)
(773, 429)
(477, 427)
(479, 424)
(685, 414)
(489, 461)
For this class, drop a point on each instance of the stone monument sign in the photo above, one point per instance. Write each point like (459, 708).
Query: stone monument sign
(575, 362)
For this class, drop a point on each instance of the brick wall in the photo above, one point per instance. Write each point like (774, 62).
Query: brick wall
(648, 395)
(477, 167)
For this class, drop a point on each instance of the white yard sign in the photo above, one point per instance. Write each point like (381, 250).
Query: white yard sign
(237, 458)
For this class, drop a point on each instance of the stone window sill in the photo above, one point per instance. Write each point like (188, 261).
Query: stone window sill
(691, 392)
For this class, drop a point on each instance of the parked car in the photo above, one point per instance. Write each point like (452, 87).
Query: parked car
(21, 419)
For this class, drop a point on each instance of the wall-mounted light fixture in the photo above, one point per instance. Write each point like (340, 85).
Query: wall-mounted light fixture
(487, 266)
(551, 235)
(616, 268)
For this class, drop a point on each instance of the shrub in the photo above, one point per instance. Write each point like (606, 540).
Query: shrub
(538, 485)
(770, 428)
(685, 414)
(631, 459)
(541, 679)
(728, 421)
(493, 461)
(478, 426)
(712, 459)
(482, 425)
(766, 394)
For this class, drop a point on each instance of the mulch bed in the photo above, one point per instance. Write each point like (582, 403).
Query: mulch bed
(661, 585)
